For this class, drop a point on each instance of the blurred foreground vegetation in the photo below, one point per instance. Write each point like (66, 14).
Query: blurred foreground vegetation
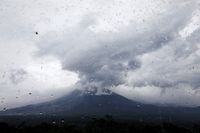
(100, 125)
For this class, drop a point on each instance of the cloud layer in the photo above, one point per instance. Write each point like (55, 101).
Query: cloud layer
(149, 62)
(145, 50)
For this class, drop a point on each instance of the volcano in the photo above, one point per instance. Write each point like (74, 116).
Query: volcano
(80, 103)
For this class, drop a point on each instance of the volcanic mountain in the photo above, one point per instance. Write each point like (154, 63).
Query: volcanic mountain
(87, 104)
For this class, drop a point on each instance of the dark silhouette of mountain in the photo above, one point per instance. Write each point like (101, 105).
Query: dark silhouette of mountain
(81, 103)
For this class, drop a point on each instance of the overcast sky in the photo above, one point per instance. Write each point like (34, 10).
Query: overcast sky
(145, 50)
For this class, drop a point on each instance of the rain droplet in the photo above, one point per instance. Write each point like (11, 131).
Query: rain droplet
(41, 113)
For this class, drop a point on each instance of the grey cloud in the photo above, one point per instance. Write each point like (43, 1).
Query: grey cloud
(17, 76)
(106, 60)
(13, 76)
